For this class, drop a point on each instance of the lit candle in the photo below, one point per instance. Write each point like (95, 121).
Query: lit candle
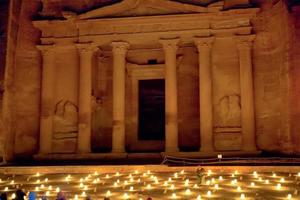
(186, 183)
(187, 191)
(278, 187)
(208, 193)
(172, 187)
(175, 175)
(209, 172)
(125, 196)
(148, 186)
(242, 196)
(174, 195)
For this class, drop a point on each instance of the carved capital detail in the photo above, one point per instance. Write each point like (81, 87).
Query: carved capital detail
(120, 47)
(46, 49)
(170, 45)
(87, 47)
(244, 41)
(204, 42)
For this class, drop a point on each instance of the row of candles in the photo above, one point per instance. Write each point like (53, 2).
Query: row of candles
(178, 184)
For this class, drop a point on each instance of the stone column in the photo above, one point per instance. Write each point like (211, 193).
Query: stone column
(86, 53)
(171, 128)
(119, 50)
(244, 45)
(205, 93)
(47, 98)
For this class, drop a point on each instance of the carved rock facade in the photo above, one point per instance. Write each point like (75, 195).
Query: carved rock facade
(226, 76)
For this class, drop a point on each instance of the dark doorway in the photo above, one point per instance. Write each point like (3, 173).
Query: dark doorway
(151, 109)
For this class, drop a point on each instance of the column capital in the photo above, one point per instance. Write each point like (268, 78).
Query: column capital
(120, 47)
(44, 49)
(169, 44)
(244, 41)
(87, 47)
(204, 42)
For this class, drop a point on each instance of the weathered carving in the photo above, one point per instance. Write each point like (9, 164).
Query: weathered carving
(229, 111)
(66, 117)
(96, 113)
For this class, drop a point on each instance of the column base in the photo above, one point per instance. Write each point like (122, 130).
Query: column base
(249, 149)
(172, 150)
(206, 150)
(83, 151)
(118, 151)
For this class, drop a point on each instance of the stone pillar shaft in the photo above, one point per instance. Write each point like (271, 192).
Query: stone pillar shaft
(119, 61)
(171, 110)
(86, 52)
(47, 98)
(244, 44)
(205, 93)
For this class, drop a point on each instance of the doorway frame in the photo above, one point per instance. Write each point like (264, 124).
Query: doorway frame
(136, 73)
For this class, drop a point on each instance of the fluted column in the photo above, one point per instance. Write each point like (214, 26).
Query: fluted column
(205, 93)
(119, 50)
(47, 98)
(86, 53)
(171, 127)
(244, 45)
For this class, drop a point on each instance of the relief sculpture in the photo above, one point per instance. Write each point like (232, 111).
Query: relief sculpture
(66, 117)
(229, 111)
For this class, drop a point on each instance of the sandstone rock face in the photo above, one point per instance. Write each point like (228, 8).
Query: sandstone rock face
(83, 56)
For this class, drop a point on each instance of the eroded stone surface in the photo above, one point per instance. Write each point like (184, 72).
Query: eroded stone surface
(274, 59)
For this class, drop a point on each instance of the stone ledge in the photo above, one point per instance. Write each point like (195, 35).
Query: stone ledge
(85, 156)
(212, 154)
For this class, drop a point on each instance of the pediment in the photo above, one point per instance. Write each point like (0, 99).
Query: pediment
(131, 8)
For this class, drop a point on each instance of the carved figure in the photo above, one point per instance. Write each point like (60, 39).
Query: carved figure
(66, 117)
(229, 110)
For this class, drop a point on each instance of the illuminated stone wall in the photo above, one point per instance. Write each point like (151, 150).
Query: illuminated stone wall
(276, 85)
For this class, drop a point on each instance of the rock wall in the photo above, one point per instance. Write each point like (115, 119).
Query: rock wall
(294, 77)
(271, 78)
(277, 87)
(25, 89)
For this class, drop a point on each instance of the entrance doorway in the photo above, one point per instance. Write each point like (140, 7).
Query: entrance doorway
(151, 112)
